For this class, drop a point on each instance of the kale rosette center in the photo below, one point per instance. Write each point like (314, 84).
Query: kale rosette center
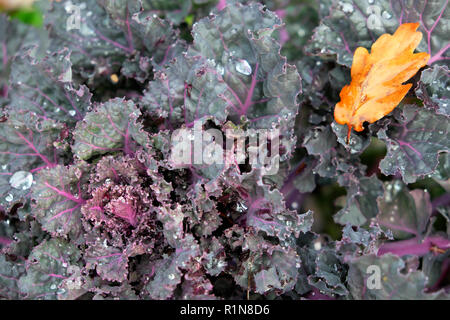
(121, 200)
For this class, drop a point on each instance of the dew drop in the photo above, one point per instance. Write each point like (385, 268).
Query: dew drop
(53, 286)
(346, 7)
(370, 1)
(171, 276)
(72, 113)
(388, 197)
(240, 207)
(21, 180)
(301, 32)
(68, 6)
(220, 69)
(244, 67)
(397, 186)
(386, 15)
(317, 245)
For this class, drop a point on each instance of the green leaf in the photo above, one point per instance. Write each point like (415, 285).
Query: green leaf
(32, 16)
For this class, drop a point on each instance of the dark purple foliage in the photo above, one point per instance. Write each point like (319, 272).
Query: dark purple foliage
(93, 205)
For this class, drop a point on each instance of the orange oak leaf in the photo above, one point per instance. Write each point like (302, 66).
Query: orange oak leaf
(376, 87)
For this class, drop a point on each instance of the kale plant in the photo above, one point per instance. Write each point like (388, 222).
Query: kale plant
(93, 204)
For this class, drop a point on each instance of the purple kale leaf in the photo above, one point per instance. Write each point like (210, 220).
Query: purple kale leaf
(265, 267)
(414, 142)
(45, 86)
(46, 267)
(358, 23)
(408, 214)
(10, 272)
(334, 160)
(433, 89)
(361, 204)
(398, 282)
(27, 147)
(405, 212)
(110, 127)
(129, 38)
(233, 73)
(330, 275)
(110, 263)
(58, 200)
(167, 272)
(174, 11)
(13, 38)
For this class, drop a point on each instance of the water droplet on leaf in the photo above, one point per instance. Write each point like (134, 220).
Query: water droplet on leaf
(317, 245)
(220, 69)
(346, 7)
(21, 180)
(386, 15)
(244, 67)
